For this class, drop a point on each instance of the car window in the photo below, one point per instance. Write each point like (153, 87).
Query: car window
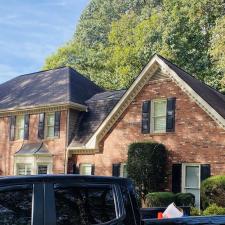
(16, 205)
(80, 205)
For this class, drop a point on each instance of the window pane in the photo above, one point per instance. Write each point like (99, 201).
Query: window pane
(85, 169)
(42, 169)
(51, 119)
(23, 169)
(50, 132)
(192, 176)
(15, 206)
(84, 205)
(20, 134)
(160, 124)
(19, 127)
(159, 108)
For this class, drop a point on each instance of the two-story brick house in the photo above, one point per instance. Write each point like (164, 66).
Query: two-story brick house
(38, 113)
(164, 104)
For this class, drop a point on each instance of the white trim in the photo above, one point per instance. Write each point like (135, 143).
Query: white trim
(134, 89)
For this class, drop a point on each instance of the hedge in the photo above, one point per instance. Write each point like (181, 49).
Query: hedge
(213, 191)
(163, 199)
(213, 210)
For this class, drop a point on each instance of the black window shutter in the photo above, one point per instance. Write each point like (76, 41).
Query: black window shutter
(41, 126)
(93, 169)
(176, 178)
(26, 126)
(145, 123)
(170, 116)
(12, 127)
(205, 171)
(57, 124)
(116, 170)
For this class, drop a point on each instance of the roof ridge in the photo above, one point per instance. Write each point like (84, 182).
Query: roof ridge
(34, 73)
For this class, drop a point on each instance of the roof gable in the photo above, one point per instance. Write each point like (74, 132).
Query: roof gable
(207, 98)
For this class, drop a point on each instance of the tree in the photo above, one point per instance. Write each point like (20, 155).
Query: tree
(146, 166)
(115, 39)
(217, 50)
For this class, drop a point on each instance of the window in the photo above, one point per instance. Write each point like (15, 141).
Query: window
(16, 205)
(191, 181)
(19, 127)
(85, 169)
(42, 169)
(158, 113)
(84, 204)
(23, 169)
(49, 126)
(123, 170)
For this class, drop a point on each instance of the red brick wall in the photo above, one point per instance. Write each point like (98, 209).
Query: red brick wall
(56, 146)
(197, 137)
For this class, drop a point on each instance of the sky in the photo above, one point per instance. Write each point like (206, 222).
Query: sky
(30, 30)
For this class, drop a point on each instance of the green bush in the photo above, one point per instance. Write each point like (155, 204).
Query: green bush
(214, 210)
(185, 199)
(195, 212)
(159, 199)
(146, 166)
(213, 191)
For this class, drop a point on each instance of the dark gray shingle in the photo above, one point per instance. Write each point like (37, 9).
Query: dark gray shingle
(62, 85)
(99, 106)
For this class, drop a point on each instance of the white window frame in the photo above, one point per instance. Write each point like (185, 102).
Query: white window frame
(43, 164)
(184, 165)
(47, 125)
(122, 165)
(26, 166)
(152, 119)
(19, 128)
(84, 165)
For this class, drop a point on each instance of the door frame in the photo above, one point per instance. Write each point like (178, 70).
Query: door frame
(183, 174)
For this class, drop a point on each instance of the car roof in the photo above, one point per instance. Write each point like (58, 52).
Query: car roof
(13, 180)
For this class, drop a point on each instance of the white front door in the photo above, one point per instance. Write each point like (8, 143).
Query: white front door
(191, 181)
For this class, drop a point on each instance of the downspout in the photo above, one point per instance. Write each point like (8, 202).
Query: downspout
(67, 142)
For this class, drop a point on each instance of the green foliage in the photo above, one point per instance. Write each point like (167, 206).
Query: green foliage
(146, 166)
(115, 39)
(184, 199)
(217, 50)
(213, 191)
(163, 199)
(214, 210)
(195, 212)
(159, 199)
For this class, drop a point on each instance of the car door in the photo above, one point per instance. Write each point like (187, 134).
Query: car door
(21, 204)
(83, 204)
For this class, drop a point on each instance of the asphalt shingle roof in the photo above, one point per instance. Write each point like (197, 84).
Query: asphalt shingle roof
(34, 148)
(214, 98)
(62, 85)
(99, 106)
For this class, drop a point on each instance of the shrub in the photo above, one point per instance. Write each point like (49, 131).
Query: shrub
(185, 199)
(213, 191)
(214, 210)
(159, 199)
(146, 166)
(195, 212)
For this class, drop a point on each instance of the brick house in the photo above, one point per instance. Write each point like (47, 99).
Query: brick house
(164, 104)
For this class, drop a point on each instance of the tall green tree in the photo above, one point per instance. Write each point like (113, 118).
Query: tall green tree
(217, 50)
(115, 39)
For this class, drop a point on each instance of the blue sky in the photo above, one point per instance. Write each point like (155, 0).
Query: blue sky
(30, 30)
